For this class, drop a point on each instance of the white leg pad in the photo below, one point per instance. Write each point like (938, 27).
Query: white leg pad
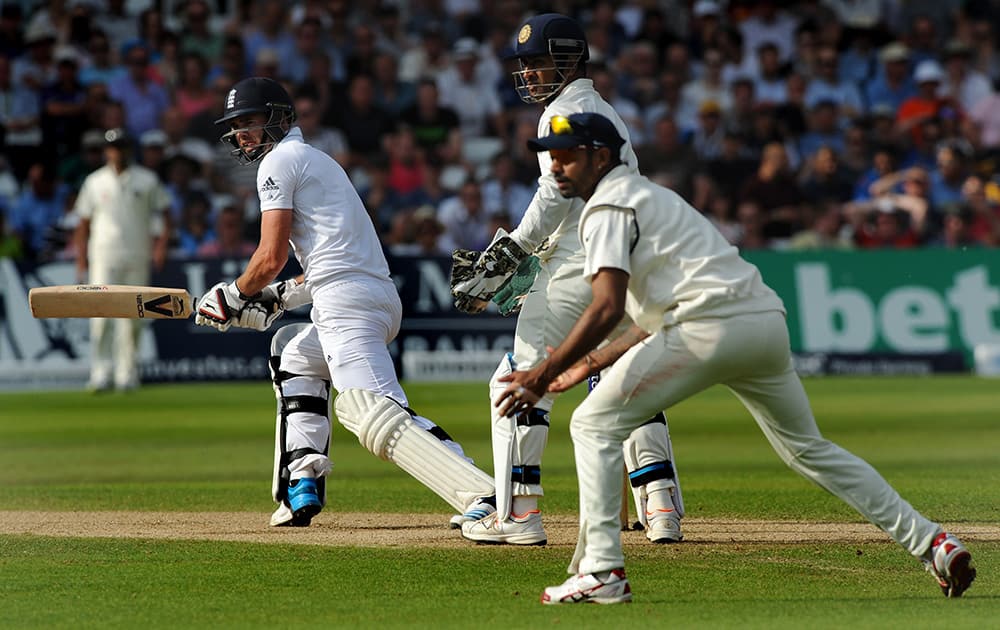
(518, 443)
(649, 444)
(388, 431)
(502, 429)
(304, 430)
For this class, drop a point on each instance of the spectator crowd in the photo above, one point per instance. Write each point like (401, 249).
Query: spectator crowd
(791, 125)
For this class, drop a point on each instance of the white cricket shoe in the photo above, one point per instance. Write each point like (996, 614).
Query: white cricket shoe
(480, 509)
(663, 527)
(517, 530)
(951, 564)
(589, 589)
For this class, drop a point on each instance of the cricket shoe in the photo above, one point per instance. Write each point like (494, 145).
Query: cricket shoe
(951, 564)
(480, 508)
(303, 498)
(663, 527)
(590, 589)
(517, 530)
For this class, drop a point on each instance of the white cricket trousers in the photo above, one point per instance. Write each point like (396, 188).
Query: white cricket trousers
(750, 355)
(346, 343)
(114, 342)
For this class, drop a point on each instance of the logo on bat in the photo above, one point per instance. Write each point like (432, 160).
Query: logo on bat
(174, 305)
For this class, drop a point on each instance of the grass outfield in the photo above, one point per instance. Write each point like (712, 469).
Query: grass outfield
(198, 449)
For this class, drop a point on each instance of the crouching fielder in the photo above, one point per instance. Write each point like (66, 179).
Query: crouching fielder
(704, 317)
(307, 200)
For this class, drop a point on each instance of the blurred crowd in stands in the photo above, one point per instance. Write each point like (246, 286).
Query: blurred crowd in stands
(791, 125)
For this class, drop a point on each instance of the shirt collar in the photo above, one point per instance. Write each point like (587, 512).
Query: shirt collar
(576, 86)
(293, 135)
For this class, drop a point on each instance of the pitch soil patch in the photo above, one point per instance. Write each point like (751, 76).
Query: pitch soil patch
(417, 530)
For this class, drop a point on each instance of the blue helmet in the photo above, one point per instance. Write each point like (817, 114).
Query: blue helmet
(552, 35)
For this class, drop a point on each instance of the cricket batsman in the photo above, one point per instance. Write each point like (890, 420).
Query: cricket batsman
(307, 201)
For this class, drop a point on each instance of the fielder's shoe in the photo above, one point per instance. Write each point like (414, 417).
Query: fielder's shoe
(303, 497)
(98, 387)
(590, 589)
(517, 530)
(951, 564)
(664, 527)
(480, 509)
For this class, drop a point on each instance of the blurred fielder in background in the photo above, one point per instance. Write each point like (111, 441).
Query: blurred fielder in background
(307, 200)
(553, 52)
(123, 213)
(703, 316)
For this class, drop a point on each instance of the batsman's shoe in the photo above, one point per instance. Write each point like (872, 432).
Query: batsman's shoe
(951, 564)
(303, 497)
(591, 589)
(664, 528)
(479, 510)
(517, 530)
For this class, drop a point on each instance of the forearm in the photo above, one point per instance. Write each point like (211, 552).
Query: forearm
(262, 269)
(590, 330)
(885, 184)
(602, 357)
(271, 254)
(80, 238)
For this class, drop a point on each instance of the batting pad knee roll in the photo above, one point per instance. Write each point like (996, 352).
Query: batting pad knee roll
(387, 430)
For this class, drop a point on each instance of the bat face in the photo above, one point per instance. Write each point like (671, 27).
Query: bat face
(109, 300)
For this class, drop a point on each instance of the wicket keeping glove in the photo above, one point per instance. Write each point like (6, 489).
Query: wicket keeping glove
(477, 276)
(223, 306)
(511, 296)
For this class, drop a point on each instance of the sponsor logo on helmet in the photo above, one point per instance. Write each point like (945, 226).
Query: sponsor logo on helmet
(525, 34)
(231, 99)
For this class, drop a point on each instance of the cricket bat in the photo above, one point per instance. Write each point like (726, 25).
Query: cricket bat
(109, 300)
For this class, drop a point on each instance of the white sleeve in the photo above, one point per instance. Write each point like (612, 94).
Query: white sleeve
(544, 214)
(608, 234)
(276, 183)
(84, 205)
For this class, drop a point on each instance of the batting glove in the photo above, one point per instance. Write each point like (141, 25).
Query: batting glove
(289, 294)
(222, 306)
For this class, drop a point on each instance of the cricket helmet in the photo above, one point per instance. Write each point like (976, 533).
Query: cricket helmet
(257, 95)
(552, 35)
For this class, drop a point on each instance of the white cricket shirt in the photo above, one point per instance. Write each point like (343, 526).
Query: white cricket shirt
(125, 210)
(332, 235)
(550, 214)
(680, 267)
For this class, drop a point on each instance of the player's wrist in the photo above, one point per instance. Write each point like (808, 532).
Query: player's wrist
(243, 296)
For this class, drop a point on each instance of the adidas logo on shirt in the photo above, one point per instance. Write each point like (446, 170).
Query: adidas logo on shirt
(269, 185)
